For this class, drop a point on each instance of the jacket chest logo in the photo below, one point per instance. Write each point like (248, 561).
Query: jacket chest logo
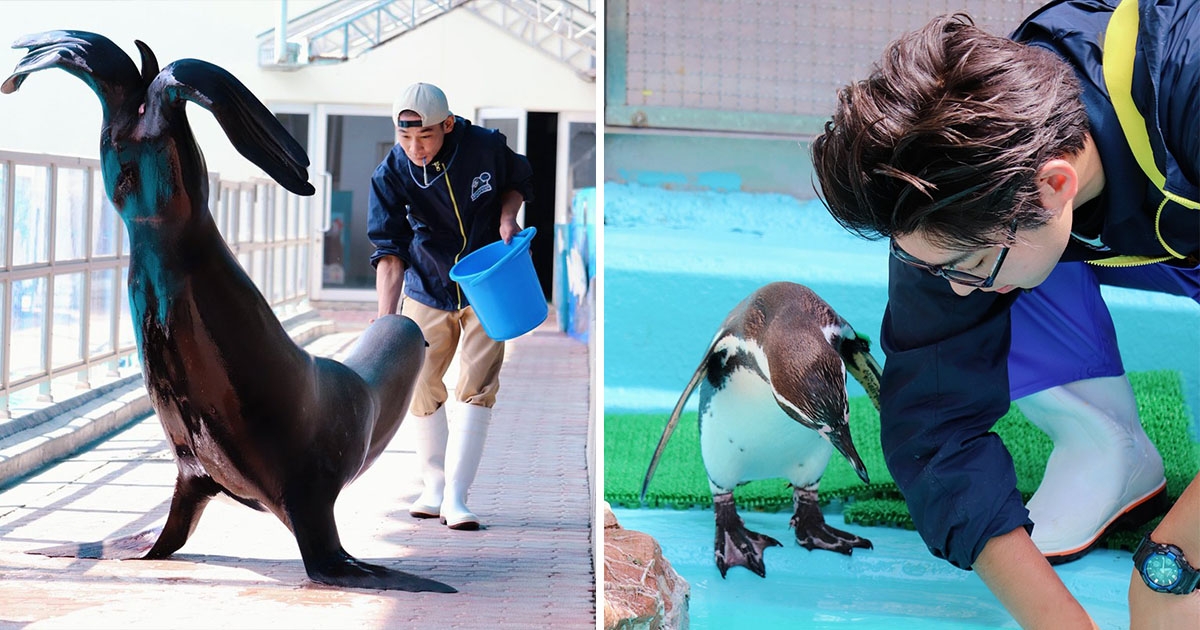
(480, 185)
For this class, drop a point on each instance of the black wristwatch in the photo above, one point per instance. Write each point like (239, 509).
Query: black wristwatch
(1164, 569)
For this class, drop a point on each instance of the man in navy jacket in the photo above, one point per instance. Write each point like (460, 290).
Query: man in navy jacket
(997, 168)
(446, 189)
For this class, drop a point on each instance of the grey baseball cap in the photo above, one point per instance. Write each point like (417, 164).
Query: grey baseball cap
(427, 100)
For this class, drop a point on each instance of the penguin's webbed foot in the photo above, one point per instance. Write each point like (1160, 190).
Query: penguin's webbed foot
(740, 547)
(346, 571)
(812, 532)
(830, 539)
(735, 545)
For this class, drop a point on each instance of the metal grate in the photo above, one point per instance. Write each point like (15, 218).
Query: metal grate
(769, 57)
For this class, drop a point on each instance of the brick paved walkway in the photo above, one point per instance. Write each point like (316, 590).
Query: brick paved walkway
(530, 568)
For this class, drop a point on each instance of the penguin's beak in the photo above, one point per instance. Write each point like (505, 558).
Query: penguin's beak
(840, 438)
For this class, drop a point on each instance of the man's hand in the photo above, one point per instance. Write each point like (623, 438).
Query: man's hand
(508, 229)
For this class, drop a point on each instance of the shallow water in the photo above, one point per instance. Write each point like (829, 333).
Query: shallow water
(898, 585)
(675, 262)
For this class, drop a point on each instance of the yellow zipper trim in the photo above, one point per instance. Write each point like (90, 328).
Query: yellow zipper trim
(1129, 261)
(1120, 39)
(461, 230)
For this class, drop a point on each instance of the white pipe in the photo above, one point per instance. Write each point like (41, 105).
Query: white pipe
(281, 55)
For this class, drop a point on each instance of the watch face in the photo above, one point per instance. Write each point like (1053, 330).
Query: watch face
(1162, 570)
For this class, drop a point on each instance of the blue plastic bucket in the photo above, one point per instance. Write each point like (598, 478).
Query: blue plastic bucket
(499, 281)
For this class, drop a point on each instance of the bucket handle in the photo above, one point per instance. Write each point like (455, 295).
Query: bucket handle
(519, 245)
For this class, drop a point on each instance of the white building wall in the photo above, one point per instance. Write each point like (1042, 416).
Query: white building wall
(477, 65)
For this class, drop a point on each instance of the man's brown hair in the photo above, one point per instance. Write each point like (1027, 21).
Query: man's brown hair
(946, 135)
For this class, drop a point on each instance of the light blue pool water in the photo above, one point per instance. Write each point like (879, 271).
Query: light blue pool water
(897, 585)
(675, 262)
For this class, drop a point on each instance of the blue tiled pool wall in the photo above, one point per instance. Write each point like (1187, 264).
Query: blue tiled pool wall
(676, 261)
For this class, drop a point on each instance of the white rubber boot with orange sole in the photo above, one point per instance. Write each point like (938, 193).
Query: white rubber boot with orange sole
(1103, 474)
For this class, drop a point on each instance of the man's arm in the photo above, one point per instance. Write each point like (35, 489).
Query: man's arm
(1019, 576)
(390, 232)
(510, 203)
(389, 284)
(516, 182)
(944, 386)
(1180, 527)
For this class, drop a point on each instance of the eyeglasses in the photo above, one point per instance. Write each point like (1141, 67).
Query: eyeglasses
(954, 275)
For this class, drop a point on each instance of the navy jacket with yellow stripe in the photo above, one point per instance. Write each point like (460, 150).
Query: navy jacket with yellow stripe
(945, 380)
(432, 225)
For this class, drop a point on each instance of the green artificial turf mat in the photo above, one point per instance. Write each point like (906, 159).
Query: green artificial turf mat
(680, 481)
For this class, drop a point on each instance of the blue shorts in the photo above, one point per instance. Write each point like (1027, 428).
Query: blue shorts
(1062, 331)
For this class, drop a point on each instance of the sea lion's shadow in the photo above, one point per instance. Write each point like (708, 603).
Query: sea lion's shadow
(285, 571)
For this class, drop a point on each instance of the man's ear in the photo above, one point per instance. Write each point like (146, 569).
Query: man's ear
(1058, 183)
(448, 124)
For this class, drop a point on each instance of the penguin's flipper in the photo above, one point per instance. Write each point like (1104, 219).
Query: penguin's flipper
(93, 58)
(856, 354)
(249, 125)
(673, 421)
(812, 532)
(735, 545)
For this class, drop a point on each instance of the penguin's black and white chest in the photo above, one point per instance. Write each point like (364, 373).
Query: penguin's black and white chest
(744, 433)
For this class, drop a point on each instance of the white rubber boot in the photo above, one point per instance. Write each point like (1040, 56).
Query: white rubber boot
(468, 431)
(1103, 466)
(431, 434)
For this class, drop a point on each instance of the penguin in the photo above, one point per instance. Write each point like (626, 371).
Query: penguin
(773, 404)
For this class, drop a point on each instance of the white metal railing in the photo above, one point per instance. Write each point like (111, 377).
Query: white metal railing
(563, 29)
(343, 30)
(64, 310)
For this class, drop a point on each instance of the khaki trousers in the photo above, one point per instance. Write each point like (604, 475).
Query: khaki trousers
(479, 359)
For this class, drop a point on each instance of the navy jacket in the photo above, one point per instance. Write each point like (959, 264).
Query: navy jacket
(433, 226)
(945, 380)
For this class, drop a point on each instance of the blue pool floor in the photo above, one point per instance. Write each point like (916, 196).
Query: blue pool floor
(675, 263)
(898, 585)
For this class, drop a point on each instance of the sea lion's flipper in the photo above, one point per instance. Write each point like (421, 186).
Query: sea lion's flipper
(856, 354)
(325, 560)
(95, 59)
(191, 496)
(812, 532)
(250, 126)
(125, 548)
(735, 545)
(674, 419)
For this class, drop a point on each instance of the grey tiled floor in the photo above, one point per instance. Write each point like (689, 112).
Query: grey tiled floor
(531, 567)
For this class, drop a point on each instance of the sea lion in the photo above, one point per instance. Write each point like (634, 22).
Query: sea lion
(773, 404)
(247, 412)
